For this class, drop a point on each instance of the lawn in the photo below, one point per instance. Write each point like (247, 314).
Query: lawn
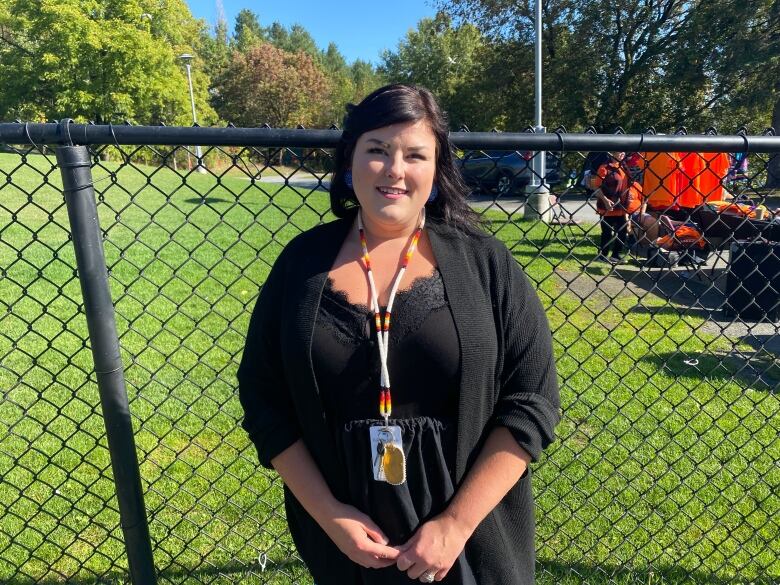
(663, 472)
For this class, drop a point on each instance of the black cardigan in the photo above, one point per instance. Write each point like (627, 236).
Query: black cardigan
(508, 379)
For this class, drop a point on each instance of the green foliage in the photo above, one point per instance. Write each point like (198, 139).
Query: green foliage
(247, 32)
(267, 85)
(112, 60)
(365, 78)
(215, 50)
(445, 59)
(295, 40)
(101, 60)
(348, 84)
(632, 63)
(342, 87)
(345, 83)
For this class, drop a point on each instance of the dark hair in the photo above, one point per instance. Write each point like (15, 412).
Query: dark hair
(394, 104)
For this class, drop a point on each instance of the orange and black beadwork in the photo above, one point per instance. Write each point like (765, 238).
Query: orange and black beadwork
(382, 322)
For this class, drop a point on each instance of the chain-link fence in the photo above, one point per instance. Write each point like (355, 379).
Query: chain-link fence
(667, 465)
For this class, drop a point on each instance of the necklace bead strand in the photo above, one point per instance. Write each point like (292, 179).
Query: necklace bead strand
(382, 323)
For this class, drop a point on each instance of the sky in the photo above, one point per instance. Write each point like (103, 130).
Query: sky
(361, 30)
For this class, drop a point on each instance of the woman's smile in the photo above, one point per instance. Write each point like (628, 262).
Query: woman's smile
(392, 192)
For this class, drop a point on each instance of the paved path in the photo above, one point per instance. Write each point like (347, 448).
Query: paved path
(579, 208)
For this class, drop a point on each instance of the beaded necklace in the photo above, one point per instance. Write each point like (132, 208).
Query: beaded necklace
(383, 321)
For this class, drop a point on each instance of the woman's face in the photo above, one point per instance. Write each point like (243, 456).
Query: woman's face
(392, 174)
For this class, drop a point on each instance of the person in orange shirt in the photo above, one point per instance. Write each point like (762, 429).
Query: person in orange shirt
(612, 180)
(636, 166)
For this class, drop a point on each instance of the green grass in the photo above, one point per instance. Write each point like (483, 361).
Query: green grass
(662, 473)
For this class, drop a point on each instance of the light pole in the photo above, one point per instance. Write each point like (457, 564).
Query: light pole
(186, 58)
(538, 195)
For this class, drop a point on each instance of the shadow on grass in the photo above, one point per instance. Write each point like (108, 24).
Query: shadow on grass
(769, 343)
(670, 285)
(683, 292)
(580, 246)
(209, 200)
(759, 370)
(553, 573)
(677, 286)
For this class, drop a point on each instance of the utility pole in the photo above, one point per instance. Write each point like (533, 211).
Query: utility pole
(186, 57)
(538, 193)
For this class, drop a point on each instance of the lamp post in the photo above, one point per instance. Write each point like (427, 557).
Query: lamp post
(186, 58)
(538, 200)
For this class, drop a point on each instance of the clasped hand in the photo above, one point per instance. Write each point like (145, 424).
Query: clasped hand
(434, 547)
(358, 537)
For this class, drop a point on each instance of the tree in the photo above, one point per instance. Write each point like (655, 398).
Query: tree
(269, 85)
(104, 60)
(365, 79)
(634, 63)
(300, 40)
(342, 86)
(596, 57)
(296, 39)
(247, 31)
(443, 58)
(215, 50)
(772, 48)
(337, 77)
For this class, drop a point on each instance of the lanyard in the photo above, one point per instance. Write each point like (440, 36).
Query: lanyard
(383, 321)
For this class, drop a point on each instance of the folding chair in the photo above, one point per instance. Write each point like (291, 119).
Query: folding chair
(666, 261)
(563, 227)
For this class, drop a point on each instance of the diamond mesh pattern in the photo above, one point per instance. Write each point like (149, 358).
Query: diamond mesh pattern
(667, 466)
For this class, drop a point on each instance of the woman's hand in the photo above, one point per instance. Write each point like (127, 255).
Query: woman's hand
(358, 537)
(434, 548)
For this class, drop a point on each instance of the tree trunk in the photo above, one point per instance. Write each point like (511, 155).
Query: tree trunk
(773, 166)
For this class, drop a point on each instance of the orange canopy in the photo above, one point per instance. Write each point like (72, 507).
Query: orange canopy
(684, 179)
(704, 173)
(662, 179)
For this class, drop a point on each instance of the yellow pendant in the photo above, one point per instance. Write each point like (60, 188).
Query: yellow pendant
(394, 465)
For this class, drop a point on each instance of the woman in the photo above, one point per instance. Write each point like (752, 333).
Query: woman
(611, 180)
(425, 478)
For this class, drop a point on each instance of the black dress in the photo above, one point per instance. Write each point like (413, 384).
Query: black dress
(424, 364)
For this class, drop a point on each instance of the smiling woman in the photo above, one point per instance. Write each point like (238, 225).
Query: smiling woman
(413, 112)
(425, 478)
(392, 176)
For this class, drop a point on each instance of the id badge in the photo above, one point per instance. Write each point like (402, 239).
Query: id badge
(387, 452)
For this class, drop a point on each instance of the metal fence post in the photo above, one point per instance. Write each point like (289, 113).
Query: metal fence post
(74, 163)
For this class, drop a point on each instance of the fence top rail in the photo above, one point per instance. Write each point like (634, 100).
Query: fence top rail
(66, 132)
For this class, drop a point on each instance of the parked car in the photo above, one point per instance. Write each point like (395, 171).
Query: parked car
(504, 172)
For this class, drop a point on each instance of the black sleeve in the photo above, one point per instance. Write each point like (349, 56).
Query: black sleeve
(269, 416)
(528, 403)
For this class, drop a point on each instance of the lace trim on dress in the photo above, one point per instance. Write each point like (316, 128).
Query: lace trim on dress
(354, 321)
(405, 423)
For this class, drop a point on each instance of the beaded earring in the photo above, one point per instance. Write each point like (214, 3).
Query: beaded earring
(348, 178)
